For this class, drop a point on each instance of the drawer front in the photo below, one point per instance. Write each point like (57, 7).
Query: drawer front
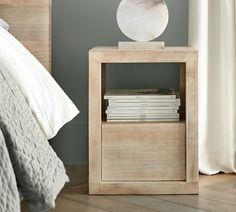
(143, 152)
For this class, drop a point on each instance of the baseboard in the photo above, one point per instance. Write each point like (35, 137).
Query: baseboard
(78, 174)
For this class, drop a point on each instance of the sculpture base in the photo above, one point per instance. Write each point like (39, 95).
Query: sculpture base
(141, 45)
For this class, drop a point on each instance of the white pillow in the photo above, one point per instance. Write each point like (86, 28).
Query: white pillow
(4, 24)
(50, 105)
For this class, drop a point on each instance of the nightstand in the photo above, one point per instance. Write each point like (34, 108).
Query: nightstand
(143, 158)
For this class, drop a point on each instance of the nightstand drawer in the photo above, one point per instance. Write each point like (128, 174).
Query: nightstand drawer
(143, 152)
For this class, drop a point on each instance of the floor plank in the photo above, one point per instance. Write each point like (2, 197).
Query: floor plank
(107, 204)
(217, 194)
(211, 180)
(155, 204)
(65, 205)
(79, 193)
(197, 202)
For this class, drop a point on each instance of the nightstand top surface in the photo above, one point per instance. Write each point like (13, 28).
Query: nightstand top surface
(166, 49)
(166, 55)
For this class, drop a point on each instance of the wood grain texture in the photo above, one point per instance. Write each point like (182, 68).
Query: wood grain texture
(95, 123)
(115, 148)
(167, 55)
(79, 194)
(147, 187)
(192, 121)
(30, 23)
(217, 193)
(72, 206)
(24, 2)
(143, 152)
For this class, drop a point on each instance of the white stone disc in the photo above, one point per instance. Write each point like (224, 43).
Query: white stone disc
(142, 20)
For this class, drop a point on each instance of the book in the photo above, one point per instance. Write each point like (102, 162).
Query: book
(110, 112)
(145, 104)
(141, 120)
(142, 105)
(140, 94)
(123, 108)
(145, 100)
(142, 116)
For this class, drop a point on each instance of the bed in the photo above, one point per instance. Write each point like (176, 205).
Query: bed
(33, 108)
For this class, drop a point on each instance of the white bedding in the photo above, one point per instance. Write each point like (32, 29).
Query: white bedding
(48, 102)
(4, 24)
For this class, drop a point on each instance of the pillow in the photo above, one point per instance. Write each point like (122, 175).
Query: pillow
(48, 102)
(4, 24)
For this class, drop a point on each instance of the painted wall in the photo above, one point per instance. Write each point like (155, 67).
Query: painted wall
(79, 25)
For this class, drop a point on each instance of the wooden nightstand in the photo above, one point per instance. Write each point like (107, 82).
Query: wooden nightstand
(143, 158)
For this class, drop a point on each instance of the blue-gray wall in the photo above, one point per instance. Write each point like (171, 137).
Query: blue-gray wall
(79, 25)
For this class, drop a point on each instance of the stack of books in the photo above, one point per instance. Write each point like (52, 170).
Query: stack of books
(135, 105)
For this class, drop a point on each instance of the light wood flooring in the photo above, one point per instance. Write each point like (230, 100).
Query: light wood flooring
(217, 193)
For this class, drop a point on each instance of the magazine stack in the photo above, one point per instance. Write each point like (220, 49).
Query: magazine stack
(140, 105)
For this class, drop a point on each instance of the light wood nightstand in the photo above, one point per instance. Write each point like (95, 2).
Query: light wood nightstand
(143, 158)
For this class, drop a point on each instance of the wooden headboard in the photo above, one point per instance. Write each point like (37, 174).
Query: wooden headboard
(30, 23)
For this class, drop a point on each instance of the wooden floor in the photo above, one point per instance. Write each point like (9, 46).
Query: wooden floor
(217, 193)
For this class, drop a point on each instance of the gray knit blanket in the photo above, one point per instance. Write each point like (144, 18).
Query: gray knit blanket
(28, 164)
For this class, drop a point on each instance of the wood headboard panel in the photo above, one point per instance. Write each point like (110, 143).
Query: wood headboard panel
(30, 22)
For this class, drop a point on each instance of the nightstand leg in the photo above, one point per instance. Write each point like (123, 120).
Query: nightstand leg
(95, 121)
(192, 121)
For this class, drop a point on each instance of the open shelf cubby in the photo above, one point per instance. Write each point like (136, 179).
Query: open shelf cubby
(143, 157)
